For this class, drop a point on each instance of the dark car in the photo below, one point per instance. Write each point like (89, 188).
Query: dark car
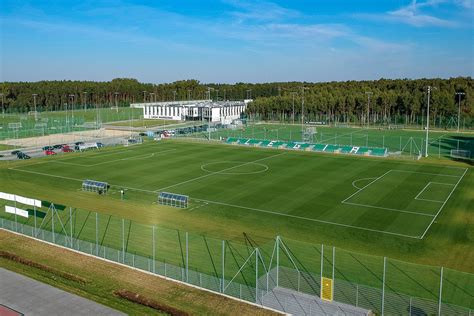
(100, 145)
(48, 148)
(79, 143)
(22, 155)
(58, 146)
(15, 152)
(142, 134)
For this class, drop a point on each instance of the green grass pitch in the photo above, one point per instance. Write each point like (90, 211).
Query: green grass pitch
(406, 210)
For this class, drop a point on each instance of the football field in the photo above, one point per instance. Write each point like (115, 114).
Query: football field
(376, 195)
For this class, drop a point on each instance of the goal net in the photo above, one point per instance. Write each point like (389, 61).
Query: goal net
(460, 154)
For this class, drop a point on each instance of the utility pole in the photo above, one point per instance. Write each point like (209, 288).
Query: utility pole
(217, 95)
(368, 93)
(174, 95)
(189, 94)
(459, 94)
(427, 121)
(34, 102)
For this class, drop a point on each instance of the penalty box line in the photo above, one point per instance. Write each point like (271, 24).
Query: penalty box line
(417, 197)
(306, 218)
(444, 203)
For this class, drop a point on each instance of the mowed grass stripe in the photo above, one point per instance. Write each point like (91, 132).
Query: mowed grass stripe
(302, 184)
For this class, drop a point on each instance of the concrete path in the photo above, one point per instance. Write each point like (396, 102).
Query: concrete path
(30, 297)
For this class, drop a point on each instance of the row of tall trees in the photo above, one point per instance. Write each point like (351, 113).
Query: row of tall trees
(338, 101)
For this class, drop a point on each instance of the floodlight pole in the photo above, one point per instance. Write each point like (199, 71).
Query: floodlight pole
(85, 100)
(189, 94)
(293, 93)
(249, 94)
(34, 102)
(116, 104)
(72, 106)
(459, 94)
(427, 122)
(368, 93)
(302, 112)
(3, 108)
(174, 95)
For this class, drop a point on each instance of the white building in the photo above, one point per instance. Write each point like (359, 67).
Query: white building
(197, 110)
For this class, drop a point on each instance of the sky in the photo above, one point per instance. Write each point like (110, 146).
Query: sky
(232, 41)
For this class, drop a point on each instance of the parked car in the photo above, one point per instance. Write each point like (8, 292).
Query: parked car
(15, 152)
(100, 145)
(22, 155)
(49, 152)
(79, 143)
(142, 134)
(58, 146)
(66, 146)
(67, 150)
(48, 148)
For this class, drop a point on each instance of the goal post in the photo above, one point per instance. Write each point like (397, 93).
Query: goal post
(460, 154)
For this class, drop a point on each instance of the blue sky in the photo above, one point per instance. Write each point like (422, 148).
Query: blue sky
(235, 40)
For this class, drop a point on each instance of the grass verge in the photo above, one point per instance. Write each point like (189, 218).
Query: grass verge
(106, 278)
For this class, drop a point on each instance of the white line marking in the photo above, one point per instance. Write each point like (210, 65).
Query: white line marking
(435, 201)
(417, 197)
(308, 219)
(389, 209)
(355, 181)
(341, 135)
(427, 173)
(371, 182)
(218, 172)
(423, 190)
(442, 206)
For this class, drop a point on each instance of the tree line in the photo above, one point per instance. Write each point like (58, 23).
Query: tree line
(335, 101)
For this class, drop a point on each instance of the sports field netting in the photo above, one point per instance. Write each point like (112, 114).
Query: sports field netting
(405, 142)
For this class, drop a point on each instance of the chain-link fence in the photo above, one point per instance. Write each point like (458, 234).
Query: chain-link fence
(17, 125)
(283, 274)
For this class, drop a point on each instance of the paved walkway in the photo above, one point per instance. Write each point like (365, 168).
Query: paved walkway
(31, 297)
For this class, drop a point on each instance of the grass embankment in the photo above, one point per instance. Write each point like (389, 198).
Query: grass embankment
(49, 264)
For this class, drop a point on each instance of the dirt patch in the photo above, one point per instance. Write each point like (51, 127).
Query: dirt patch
(64, 275)
(140, 299)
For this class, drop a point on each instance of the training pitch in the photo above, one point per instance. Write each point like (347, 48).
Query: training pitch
(383, 197)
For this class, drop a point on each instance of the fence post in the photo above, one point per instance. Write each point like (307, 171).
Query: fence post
(187, 258)
(383, 283)
(256, 275)
(34, 209)
(439, 148)
(97, 233)
(383, 141)
(153, 251)
(70, 226)
(333, 269)
(278, 260)
(409, 308)
(223, 266)
(400, 143)
(16, 223)
(52, 222)
(357, 295)
(440, 291)
(123, 240)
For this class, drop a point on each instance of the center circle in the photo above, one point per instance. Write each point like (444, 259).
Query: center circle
(234, 167)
